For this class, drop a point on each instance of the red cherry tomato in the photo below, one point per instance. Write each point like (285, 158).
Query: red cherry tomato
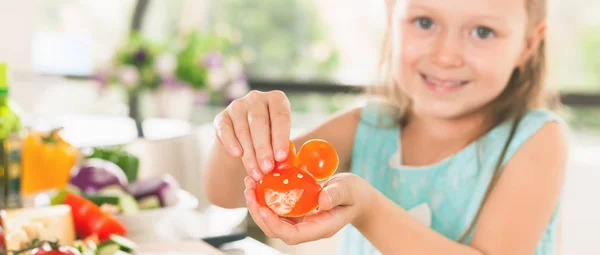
(291, 189)
(61, 250)
(2, 239)
(89, 219)
(319, 157)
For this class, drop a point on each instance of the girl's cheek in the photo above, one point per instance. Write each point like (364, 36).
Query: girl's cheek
(413, 47)
(412, 51)
(492, 67)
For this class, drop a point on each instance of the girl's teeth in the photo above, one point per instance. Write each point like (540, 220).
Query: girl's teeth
(443, 83)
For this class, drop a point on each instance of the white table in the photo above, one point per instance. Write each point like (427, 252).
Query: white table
(248, 246)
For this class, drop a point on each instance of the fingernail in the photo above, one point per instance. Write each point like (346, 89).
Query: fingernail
(236, 151)
(267, 165)
(280, 155)
(262, 213)
(256, 174)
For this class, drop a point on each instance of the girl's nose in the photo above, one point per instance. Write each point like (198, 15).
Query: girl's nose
(448, 51)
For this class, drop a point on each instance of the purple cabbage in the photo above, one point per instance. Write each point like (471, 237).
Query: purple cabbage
(164, 187)
(95, 174)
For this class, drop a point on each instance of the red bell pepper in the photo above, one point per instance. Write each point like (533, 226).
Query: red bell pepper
(91, 220)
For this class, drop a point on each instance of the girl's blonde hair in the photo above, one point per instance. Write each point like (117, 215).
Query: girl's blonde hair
(525, 90)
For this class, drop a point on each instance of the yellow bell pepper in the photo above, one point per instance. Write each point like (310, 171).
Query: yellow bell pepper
(47, 161)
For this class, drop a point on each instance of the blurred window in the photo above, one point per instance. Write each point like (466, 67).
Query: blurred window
(72, 37)
(302, 40)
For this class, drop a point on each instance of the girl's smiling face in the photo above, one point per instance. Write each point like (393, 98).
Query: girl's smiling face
(454, 57)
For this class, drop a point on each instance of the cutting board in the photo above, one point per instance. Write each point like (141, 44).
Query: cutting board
(179, 248)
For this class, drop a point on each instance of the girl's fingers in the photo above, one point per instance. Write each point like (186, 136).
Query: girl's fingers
(260, 130)
(321, 225)
(250, 195)
(250, 183)
(238, 113)
(226, 134)
(284, 230)
(257, 129)
(279, 113)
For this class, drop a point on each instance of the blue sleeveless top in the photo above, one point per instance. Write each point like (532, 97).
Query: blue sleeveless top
(444, 196)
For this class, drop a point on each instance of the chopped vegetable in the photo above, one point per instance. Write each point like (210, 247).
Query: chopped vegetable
(100, 200)
(163, 187)
(124, 244)
(149, 202)
(128, 204)
(112, 191)
(128, 162)
(110, 209)
(85, 247)
(95, 174)
(125, 203)
(89, 219)
(108, 249)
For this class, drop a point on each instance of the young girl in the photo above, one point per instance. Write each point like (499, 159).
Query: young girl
(459, 157)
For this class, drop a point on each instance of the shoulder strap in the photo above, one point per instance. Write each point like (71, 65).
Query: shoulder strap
(521, 130)
(494, 180)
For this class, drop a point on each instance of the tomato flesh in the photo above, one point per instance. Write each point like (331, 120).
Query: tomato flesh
(319, 158)
(289, 192)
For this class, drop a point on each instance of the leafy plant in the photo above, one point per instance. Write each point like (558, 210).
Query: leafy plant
(193, 59)
(206, 62)
(286, 37)
(141, 55)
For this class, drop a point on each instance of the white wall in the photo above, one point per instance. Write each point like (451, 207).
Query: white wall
(17, 21)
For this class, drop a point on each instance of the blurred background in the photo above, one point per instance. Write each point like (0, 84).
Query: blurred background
(152, 74)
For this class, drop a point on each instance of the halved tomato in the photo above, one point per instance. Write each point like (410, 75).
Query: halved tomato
(291, 189)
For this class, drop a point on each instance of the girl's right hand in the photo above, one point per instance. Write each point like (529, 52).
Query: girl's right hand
(256, 128)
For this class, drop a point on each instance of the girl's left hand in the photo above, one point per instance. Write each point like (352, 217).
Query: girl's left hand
(343, 200)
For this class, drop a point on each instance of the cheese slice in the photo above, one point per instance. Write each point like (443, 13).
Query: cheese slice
(51, 223)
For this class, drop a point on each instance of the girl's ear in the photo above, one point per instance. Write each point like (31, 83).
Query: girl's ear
(532, 41)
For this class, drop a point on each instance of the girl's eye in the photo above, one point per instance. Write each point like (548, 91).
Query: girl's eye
(424, 23)
(483, 32)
